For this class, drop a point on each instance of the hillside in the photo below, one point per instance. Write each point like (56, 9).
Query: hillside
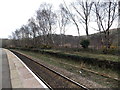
(114, 35)
(95, 40)
(68, 40)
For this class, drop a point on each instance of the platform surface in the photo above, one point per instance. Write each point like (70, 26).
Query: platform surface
(6, 83)
(15, 74)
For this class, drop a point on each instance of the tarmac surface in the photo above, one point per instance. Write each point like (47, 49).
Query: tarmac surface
(15, 74)
(6, 83)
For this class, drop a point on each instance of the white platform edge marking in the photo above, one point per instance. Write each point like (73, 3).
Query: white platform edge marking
(31, 72)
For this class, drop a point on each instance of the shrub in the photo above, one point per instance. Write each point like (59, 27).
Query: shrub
(46, 47)
(85, 43)
(112, 50)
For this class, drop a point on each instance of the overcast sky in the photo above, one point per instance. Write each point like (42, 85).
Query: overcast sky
(15, 13)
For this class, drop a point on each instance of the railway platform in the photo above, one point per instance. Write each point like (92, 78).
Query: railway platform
(15, 74)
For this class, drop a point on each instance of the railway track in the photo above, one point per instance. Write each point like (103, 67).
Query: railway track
(49, 76)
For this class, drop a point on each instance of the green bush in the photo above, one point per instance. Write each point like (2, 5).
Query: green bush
(85, 43)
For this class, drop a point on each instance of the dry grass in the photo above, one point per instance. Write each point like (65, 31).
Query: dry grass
(75, 67)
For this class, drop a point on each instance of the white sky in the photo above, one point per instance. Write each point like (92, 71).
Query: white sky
(15, 13)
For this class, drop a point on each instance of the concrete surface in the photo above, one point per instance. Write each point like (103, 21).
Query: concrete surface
(19, 75)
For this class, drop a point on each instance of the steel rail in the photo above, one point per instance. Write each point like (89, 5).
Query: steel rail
(61, 75)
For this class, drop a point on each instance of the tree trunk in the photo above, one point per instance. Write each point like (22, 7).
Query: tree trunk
(87, 31)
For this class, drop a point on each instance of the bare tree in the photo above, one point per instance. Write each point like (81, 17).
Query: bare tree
(17, 34)
(25, 35)
(26, 31)
(47, 19)
(33, 29)
(14, 39)
(83, 8)
(71, 16)
(17, 37)
(42, 25)
(106, 14)
(118, 24)
(63, 20)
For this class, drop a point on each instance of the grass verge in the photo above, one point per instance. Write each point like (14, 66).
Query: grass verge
(108, 57)
(77, 68)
